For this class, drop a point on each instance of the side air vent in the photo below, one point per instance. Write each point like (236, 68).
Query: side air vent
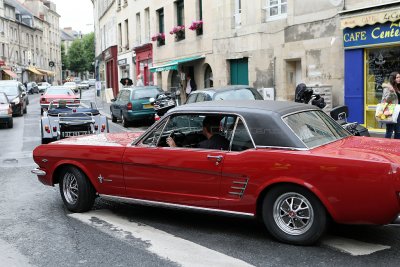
(238, 187)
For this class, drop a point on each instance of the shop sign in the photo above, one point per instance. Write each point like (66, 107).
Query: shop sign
(381, 17)
(107, 54)
(372, 35)
(122, 61)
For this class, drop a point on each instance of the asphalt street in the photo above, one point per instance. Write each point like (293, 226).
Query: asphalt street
(37, 230)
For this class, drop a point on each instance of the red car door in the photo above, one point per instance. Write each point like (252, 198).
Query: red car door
(186, 176)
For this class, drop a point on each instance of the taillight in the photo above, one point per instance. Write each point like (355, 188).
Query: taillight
(96, 127)
(103, 127)
(156, 117)
(42, 100)
(129, 106)
(76, 101)
(54, 128)
(47, 128)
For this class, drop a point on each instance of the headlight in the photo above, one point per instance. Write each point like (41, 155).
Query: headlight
(16, 101)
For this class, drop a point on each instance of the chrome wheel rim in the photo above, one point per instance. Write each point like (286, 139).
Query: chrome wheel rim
(293, 213)
(70, 188)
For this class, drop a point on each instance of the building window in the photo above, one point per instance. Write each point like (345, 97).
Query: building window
(138, 29)
(147, 25)
(126, 34)
(160, 14)
(120, 36)
(180, 12)
(276, 9)
(237, 13)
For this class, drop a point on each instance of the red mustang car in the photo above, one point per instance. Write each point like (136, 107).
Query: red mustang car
(289, 164)
(55, 93)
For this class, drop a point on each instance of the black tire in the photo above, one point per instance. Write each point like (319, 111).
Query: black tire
(10, 123)
(113, 118)
(41, 111)
(125, 123)
(77, 193)
(280, 224)
(25, 110)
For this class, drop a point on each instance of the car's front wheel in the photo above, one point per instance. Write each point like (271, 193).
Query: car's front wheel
(10, 123)
(292, 214)
(77, 193)
(113, 118)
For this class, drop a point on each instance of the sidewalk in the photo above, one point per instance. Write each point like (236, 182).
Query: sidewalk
(101, 101)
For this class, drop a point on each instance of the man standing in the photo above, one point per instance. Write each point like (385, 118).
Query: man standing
(190, 85)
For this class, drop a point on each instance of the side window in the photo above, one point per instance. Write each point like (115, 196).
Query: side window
(241, 138)
(191, 99)
(154, 136)
(201, 97)
(125, 96)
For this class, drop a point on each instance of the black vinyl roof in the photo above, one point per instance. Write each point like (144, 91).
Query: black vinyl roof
(262, 117)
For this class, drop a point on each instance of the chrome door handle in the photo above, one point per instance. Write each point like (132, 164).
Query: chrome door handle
(217, 158)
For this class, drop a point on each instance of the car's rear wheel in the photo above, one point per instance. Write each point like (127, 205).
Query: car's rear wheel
(10, 123)
(76, 190)
(292, 214)
(25, 110)
(125, 123)
(41, 111)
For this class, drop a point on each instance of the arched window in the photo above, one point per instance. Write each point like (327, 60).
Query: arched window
(208, 77)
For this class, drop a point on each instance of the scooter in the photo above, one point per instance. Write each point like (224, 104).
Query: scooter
(339, 114)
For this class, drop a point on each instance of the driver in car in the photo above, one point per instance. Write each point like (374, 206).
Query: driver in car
(210, 131)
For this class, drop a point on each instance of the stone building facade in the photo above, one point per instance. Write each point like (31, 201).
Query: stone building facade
(29, 40)
(272, 44)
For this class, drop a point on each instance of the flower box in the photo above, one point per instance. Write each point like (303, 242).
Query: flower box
(179, 32)
(159, 38)
(197, 26)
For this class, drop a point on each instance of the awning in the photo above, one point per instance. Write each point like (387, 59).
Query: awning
(173, 65)
(46, 72)
(11, 73)
(356, 18)
(33, 70)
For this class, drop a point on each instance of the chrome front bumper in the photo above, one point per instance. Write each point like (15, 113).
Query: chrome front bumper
(397, 220)
(38, 171)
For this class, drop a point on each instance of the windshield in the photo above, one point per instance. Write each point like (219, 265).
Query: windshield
(315, 128)
(237, 94)
(59, 91)
(9, 89)
(145, 93)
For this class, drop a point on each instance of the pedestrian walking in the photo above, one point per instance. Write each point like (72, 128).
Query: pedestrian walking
(139, 81)
(190, 85)
(391, 95)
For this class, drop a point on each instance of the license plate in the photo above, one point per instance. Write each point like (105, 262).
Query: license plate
(147, 106)
(76, 133)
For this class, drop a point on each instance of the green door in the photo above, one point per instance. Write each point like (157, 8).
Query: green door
(239, 71)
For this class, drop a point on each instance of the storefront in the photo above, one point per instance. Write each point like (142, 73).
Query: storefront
(372, 51)
(144, 61)
(110, 59)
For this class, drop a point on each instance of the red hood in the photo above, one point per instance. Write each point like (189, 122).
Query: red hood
(111, 139)
(365, 148)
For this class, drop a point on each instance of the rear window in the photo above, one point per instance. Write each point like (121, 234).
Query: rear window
(9, 89)
(145, 93)
(238, 94)
(59, 91)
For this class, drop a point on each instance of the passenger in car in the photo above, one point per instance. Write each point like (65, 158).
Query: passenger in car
(210, 131)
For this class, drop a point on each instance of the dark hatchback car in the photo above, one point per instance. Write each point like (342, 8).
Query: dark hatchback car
(32, 88)
(133, 104)
(231, 92)
(16, 93)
